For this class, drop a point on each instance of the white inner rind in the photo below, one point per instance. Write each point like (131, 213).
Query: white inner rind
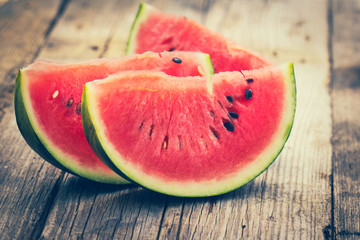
(200, 188)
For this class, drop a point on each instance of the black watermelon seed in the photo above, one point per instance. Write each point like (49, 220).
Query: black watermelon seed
(233, 115)
(78, 108)
(171, 49)
(70, 102)
(151, 130)
(230, 99)
(229, 126)
(176, 60)
(220, 104)
(248, 94)
(212, 113)
(250, 80)
(216, 134)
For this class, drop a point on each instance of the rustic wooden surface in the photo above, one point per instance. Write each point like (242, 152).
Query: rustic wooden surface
(345, 95)
(312, 191)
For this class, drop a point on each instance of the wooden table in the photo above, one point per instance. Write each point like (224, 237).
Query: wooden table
(312, 191)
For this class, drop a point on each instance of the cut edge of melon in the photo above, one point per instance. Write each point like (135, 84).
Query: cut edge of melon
(205, 59)
(142, 14)
(91, 133)
(25, 126)
(191, 188)
(37, 139)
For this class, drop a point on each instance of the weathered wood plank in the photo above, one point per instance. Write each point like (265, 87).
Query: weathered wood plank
(27, 184)
(292, 200)
(91, 210)
(23, 26)
(346, 115)
(85, 30)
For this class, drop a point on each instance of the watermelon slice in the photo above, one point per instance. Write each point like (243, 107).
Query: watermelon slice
(179, 136)
(48, 109)
(155, 31)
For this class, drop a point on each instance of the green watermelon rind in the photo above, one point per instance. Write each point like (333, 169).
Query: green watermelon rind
(92, 137)
(141, 16)
(37, 139)
(106, 152)
(287, 120)
(25, 125)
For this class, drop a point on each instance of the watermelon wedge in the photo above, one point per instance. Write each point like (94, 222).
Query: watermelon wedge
(188, 136)
(48, 109)
(156, 31)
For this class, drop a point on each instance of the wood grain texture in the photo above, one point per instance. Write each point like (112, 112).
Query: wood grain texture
(20, 39)
(291, 200)
(346, 115)
(88, 210)
(27, 183)
(81, 32)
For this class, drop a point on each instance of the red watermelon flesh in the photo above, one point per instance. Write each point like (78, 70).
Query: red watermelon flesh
(156, 31)
(174, 136)
(48, 109)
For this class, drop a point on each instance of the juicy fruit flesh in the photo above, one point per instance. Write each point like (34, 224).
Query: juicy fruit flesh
(62, 121)
(177, 134)
(156, 31)
(55, 91)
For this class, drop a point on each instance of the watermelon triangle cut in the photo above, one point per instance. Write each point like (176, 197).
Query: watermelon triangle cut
(153, 30)
(175, 136)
